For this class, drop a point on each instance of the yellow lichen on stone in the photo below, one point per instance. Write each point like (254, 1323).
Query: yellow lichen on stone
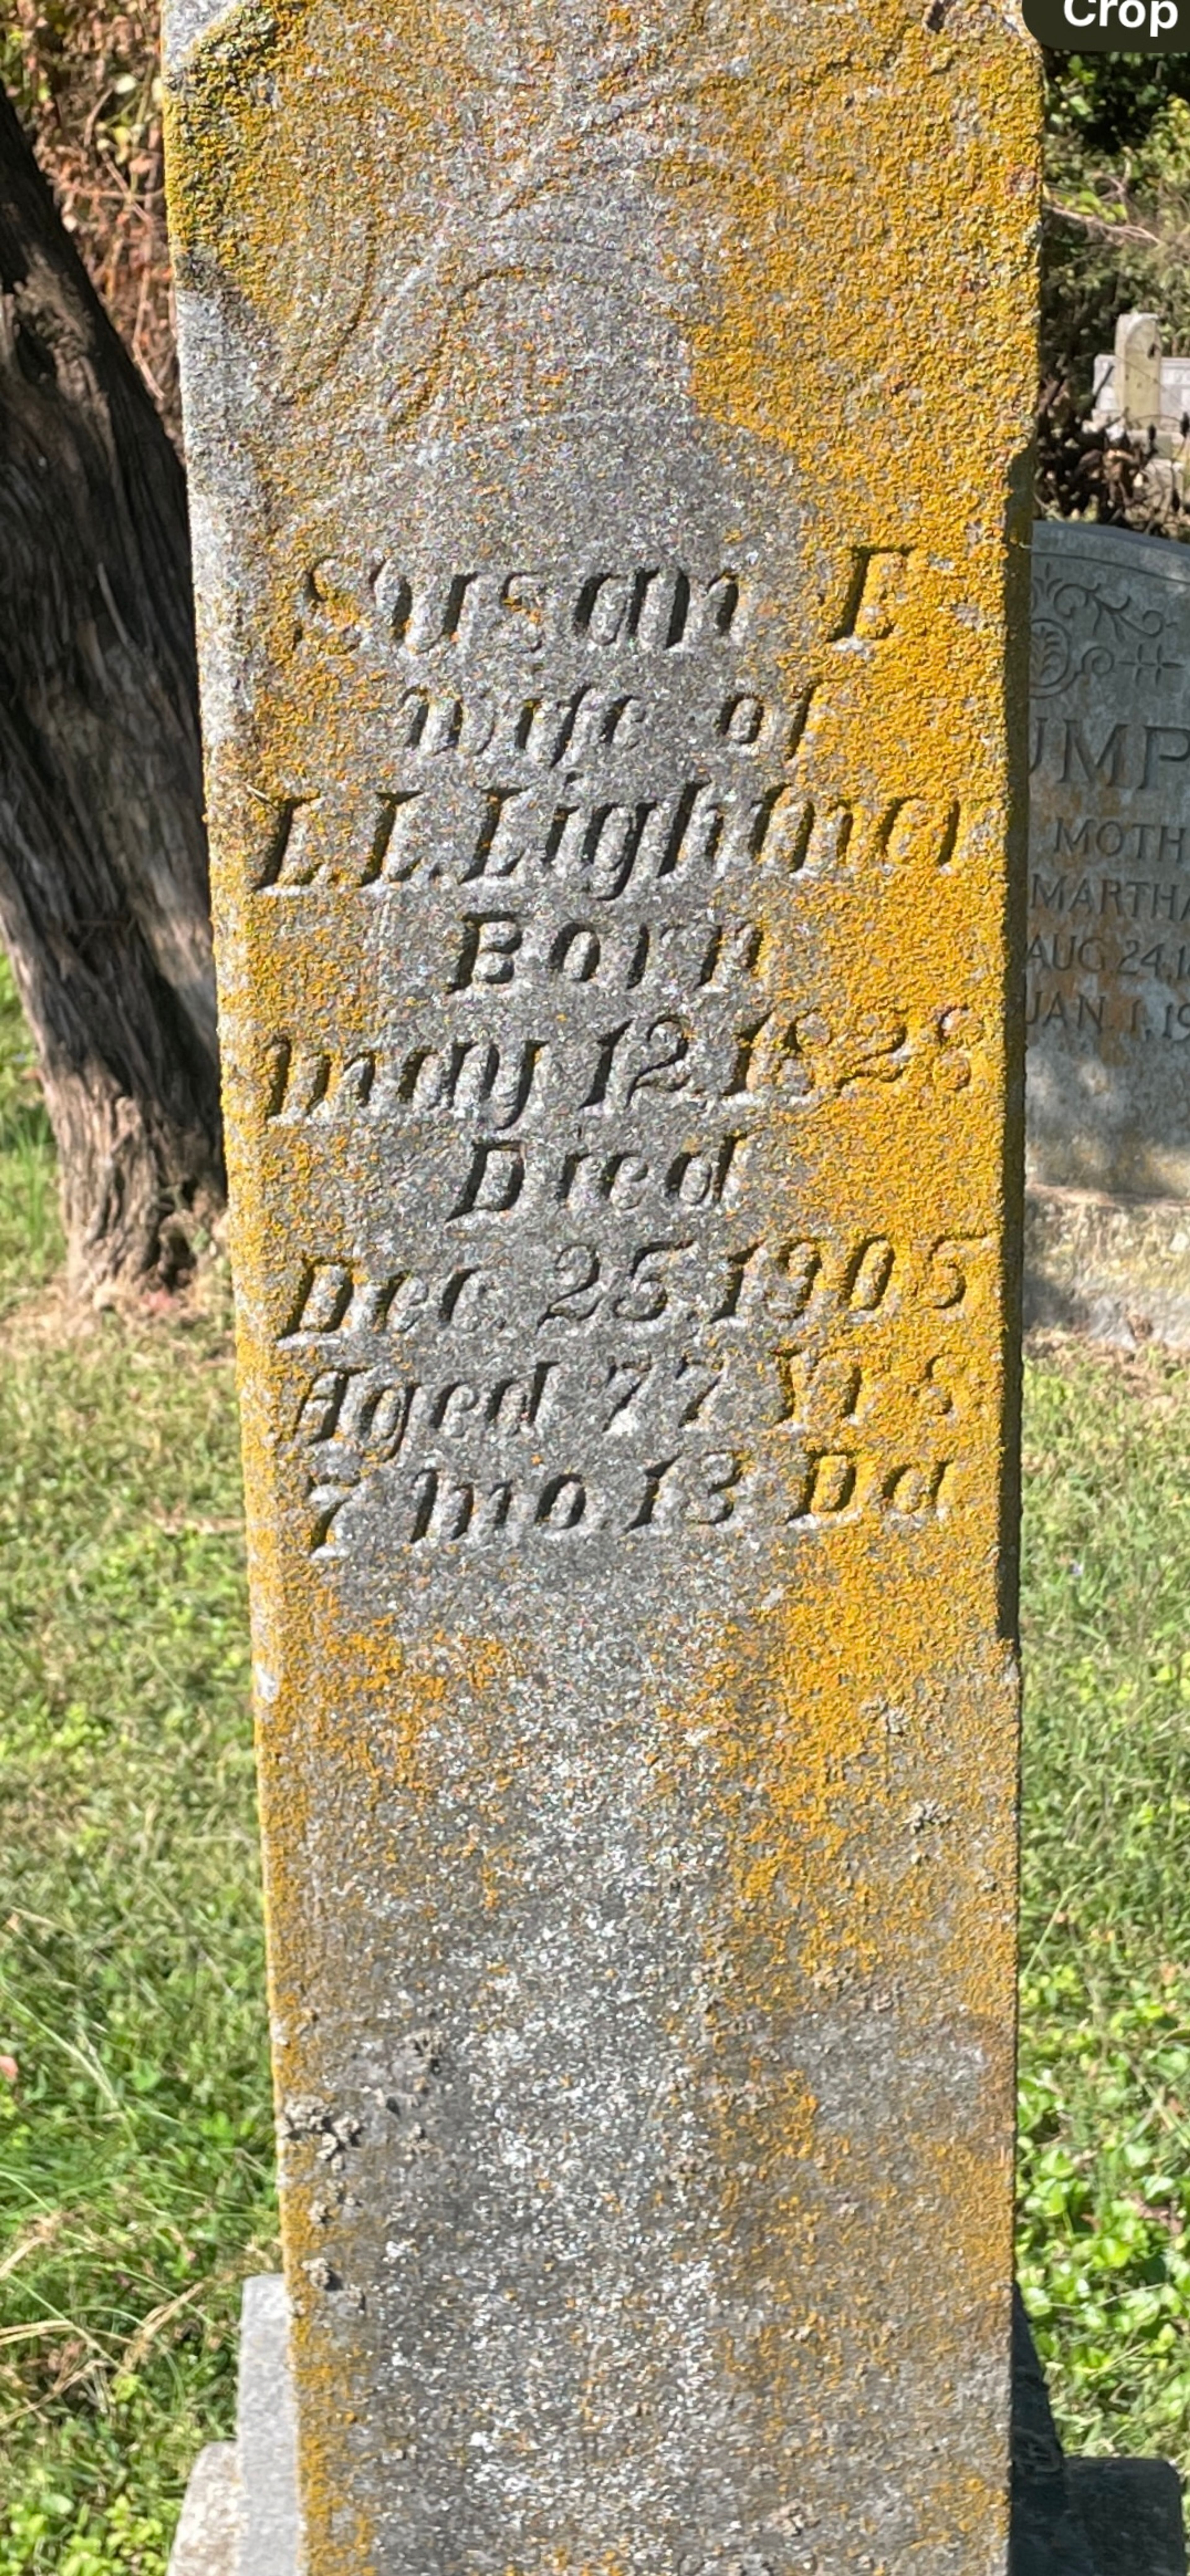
(607, 429)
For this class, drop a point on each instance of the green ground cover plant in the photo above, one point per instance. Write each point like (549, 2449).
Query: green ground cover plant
(135, 2129)
(30, 1233)
(135, 2117)
(1104, 2246)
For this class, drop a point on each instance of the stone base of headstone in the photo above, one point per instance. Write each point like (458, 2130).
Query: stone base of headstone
(1069, 2517)
(1099, 2518)
(1115, 1269)
(1083, 2517)
(207, 2540)
(1131, 2512)
(240, 2514)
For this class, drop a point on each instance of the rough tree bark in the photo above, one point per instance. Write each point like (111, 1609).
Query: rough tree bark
(104, 906)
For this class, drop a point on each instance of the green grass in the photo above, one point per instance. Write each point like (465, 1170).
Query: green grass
(1105, 1988)
(135, 2142)
(30, 1231)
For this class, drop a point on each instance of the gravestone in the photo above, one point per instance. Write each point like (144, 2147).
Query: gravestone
(1162, 406)
(614, 739)
(1138, 371)
(1108, 960)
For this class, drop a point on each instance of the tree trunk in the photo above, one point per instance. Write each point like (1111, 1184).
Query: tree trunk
(104, 903)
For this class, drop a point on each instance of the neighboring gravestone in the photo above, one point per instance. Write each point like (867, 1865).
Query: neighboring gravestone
(610, 713)
(1137, 386)
(1108, 959)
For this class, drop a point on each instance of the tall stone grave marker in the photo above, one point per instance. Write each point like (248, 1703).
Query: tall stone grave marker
(605, 624)
(1137, 388)
(1108, 961)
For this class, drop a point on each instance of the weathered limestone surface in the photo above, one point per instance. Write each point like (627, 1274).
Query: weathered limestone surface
(604, 643)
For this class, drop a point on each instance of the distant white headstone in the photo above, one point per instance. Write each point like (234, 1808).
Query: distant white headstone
(1138, 370)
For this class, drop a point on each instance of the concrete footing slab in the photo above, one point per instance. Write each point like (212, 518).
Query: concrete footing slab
(1115, 1269)
(207, 2539)
(240, 2514)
